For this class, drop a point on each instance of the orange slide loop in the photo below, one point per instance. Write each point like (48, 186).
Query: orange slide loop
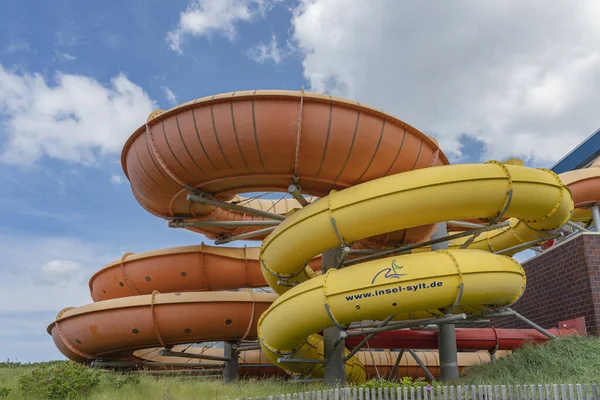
(154, 323)
(248, 277)
(298, 136)
(203, 267)
(69, 345)
(251, 321)
(162, 162)
(125, 275)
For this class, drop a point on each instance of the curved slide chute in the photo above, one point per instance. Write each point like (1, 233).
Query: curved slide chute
(374, 181)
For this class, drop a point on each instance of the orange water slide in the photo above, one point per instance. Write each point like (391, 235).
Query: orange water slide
(216, 150)
(254, 141)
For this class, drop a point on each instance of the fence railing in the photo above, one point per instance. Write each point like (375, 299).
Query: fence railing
(472, 392)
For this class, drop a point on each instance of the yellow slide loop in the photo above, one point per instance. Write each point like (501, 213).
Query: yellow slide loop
(461, 284)
(328, 274)
(407, 286)
(509, 193)
(332, 218)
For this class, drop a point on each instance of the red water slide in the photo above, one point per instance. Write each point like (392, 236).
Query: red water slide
(489, 339)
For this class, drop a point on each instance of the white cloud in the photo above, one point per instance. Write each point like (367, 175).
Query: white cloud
(64, 56)
(18, 44)
(171, 98)
(48, 273)
(117, 179)
(266, 51)
(205, 17)
(505, 73)
(58, 271)
(77, 120)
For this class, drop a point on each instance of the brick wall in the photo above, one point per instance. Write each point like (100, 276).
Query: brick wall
(562, 283)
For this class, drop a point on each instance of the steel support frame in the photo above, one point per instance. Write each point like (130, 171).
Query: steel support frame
(294, 190)
(423, 366)
(230, 372)
(221, 224)
(131, 364)
(446, 332)
(242, 236)
(394, 370)
(405, 324)
(533, 325)
(596, 217)
(367, 338)
(169, 353)
(527, 245)
(408, 248)
(335, 360)
(208, 200)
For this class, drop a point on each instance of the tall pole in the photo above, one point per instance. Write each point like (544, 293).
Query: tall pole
(335, 361)
(230, 373)
(446, 332)
(596, 216)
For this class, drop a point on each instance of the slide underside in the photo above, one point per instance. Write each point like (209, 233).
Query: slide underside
(375, 183)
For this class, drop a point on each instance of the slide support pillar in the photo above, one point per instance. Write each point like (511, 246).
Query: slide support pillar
(596, 216)
(230, 373)
(335, 361)
(446, 332)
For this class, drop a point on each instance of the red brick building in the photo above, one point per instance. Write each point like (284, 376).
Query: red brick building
(562, 283)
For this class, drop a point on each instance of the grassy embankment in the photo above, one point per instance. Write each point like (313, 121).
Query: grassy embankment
(568, 360)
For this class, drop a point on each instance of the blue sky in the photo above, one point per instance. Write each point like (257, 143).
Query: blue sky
(76, 78)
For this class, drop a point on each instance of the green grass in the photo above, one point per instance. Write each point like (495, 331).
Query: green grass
(567, 360)
(164, 388)
(574, 359)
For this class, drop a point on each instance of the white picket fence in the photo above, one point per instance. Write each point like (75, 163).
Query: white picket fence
(481, 392)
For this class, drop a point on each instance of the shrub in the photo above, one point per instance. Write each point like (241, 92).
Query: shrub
(118, 381)
(404, 382)
(59, 381)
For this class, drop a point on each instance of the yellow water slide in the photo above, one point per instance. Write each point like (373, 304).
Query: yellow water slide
(406, 286)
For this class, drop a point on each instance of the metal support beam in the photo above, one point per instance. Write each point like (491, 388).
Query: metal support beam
(533, 325)
(210, 201)
(446, 332)
(527, 245)
(596, 216)
(221, 224)
(423, 366)
(577, 226)
(396, 365)
(294, 190)
(149, 364)
(248, 348)
(282, 360)
(408, 248)
(230, 373)
(242, 236)
(464, 224)
(448, 352)
(367, 338)
(169, 353)
(335, 361)
(402, 325)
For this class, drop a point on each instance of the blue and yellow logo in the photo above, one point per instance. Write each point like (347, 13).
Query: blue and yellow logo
(390, 272)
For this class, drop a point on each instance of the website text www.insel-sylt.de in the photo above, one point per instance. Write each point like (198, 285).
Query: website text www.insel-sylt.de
(395, 290)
